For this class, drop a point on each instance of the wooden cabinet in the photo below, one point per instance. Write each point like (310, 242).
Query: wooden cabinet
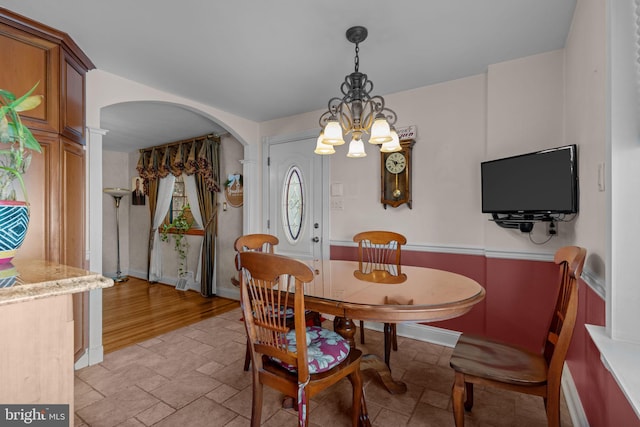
(28, 59)
(31, 52)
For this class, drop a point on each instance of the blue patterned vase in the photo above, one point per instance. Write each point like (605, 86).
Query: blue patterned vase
(8, 275)
(14, 221)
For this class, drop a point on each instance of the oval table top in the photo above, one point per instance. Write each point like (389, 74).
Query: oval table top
(393, 294)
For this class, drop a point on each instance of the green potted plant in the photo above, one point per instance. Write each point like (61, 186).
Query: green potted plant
(178, 227)
(15, 156)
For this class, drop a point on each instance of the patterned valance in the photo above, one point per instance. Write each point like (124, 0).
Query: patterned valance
(194, 156)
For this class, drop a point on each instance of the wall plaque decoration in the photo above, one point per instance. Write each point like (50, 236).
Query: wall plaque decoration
(234, 190)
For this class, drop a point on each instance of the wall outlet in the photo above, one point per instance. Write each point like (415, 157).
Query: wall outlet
(552, 228)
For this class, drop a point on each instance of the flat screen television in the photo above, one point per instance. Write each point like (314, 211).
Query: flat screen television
(540, 183)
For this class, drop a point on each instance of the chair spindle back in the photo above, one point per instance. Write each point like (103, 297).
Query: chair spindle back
(379, 247)
(271, 283)
(256, 243)
(571, 260)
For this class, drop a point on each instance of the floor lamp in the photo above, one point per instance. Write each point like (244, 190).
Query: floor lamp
(118, 194)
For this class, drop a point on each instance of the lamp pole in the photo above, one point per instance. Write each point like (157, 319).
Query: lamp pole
(118, 194)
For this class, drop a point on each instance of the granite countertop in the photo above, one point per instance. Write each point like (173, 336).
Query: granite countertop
(26, 280)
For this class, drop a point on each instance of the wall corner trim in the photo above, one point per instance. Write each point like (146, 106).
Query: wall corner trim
(595, 282)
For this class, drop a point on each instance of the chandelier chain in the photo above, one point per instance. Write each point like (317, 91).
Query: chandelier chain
(357, 58)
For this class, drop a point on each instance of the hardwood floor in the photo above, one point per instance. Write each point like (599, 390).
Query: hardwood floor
(136, 310)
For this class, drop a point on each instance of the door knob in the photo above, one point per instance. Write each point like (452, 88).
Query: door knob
(315, 239)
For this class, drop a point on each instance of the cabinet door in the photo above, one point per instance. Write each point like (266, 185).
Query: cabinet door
(26, 61)
(72, 180)
(72, 213)
(72, 115)
(55, 184)
(43, 189)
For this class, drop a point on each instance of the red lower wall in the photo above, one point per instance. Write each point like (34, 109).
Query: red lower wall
(520, 296)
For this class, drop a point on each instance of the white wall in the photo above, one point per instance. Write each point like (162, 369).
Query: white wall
(105, 89)
(139, 226)
(585, 125)
(450, 121)
(525, 113)
(517, 107)
(623, 292)
(229, 221)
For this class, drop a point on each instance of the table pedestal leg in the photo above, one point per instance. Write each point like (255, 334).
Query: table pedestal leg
(387, 343)
(347, 329)
(373, 362)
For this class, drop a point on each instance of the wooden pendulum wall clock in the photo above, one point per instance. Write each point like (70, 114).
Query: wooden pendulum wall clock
(396, 176)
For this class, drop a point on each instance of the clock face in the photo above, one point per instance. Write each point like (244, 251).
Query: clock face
(396, 162)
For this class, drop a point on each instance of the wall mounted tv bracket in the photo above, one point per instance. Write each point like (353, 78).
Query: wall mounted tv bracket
(522, 222)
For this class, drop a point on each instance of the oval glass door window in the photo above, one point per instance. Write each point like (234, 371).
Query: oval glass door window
(293, 204)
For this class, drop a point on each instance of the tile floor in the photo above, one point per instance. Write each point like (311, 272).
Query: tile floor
(193, 377)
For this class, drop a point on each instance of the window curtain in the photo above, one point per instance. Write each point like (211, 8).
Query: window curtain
(198, 157)
(192, 196)
(208, 201)
(163, 203)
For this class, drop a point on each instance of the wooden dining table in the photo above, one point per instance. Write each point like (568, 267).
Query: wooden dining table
(390, 294)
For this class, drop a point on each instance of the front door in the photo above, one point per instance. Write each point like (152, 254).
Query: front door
(294, 197)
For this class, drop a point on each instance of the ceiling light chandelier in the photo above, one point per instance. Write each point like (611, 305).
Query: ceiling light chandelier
(357, 113)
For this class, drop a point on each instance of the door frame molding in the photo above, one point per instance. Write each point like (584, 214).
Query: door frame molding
(279, 139)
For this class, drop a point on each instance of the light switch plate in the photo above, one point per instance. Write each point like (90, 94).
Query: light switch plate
(337, 189)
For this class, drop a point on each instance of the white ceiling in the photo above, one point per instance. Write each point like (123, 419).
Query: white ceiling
(263, 60)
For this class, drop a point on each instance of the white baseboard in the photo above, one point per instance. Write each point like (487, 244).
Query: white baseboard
(83, 362)
(91, 356)
(576, 410)
(420, 332)
(165, 280)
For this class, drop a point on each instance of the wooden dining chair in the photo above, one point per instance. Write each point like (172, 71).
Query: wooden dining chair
(380, 248)
(297, 362)
(266, 243)
(478, 360)
(255, 243)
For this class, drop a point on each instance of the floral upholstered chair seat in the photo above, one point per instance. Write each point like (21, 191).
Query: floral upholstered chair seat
(325, 349)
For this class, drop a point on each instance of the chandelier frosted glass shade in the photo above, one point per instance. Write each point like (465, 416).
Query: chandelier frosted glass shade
(322, 148)
(356, 148)
(380, 131)
(357, 115)
(393, 145)
(332, 133)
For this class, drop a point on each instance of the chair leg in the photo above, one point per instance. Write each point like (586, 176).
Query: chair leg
(394, 337)
(468, 404)
(247, 357)
(361, 332)
(457, 396)
(359, 415)
(256, 406)
(552, 405)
